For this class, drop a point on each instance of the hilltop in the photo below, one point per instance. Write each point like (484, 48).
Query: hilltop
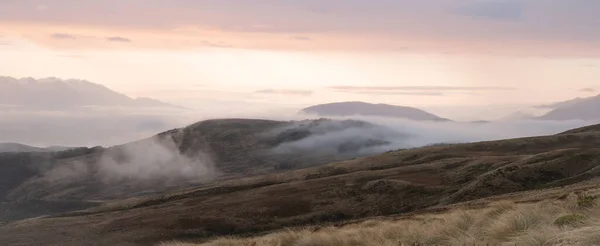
(396, 183)
(369, 109)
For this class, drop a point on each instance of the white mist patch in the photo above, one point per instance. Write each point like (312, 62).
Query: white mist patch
(426, 133)
(350, 138)
(394, 133)
(149, 160)
(143, 162)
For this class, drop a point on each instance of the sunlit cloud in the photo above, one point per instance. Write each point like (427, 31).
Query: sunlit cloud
(301, 38)
(62, 36)
(118, 39)
(72, 56)
(421, 88)
(509, 27)
(219, 44)
(399, 93)
(285, 92)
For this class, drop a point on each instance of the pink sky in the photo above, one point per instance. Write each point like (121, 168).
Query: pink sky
(443, 52)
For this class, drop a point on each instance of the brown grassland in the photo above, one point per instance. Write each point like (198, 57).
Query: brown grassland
(574, 220)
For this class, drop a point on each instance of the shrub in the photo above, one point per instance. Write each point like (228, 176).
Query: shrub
(569, 219)
(585, 201)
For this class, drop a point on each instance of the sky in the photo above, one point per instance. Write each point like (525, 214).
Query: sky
(427, 53)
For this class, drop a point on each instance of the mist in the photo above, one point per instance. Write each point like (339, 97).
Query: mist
(156, 162)
(90, 127)
(111, 126)
(150, 162)
(394, 134)
(154, 159)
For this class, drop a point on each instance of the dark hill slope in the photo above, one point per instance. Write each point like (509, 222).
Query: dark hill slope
(388, 184)
(587, 129)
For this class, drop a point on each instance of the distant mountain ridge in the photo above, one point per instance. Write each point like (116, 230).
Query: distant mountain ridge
(21, 148)
(55, 93)
(18, 148)
(369, 109)
(576, 109)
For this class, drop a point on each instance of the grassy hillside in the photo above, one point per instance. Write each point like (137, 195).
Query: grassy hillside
(572, 220)
(391, 184)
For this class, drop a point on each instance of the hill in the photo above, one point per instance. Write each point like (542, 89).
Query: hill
(576, 109)
(194, 155)
(54, 93)
(368, 109)
(397, 183)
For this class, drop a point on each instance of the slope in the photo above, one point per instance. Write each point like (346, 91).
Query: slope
(389, 184)
(368, 109)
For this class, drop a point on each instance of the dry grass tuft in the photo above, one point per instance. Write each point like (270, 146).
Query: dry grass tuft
(564, 222)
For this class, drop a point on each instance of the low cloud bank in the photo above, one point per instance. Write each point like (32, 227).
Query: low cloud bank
(384, 134)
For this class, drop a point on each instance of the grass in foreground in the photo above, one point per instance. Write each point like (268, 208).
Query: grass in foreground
(572, 221)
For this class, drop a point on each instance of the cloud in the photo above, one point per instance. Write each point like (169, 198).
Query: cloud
(62, 36)
(432, 93)
(588, 90)
(286, 92)
(41, 7)
(301, 38)
(420, 88)
(551, 27)
(493, 9)
(85, 127)
(72, 56)
(218, 44)
(118, 39)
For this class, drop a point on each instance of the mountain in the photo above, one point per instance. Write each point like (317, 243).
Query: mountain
(402, 184)
(19, 148)
(577, 109)
(16, 147)
(368, 109)
(54, 93)
(566, 103)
